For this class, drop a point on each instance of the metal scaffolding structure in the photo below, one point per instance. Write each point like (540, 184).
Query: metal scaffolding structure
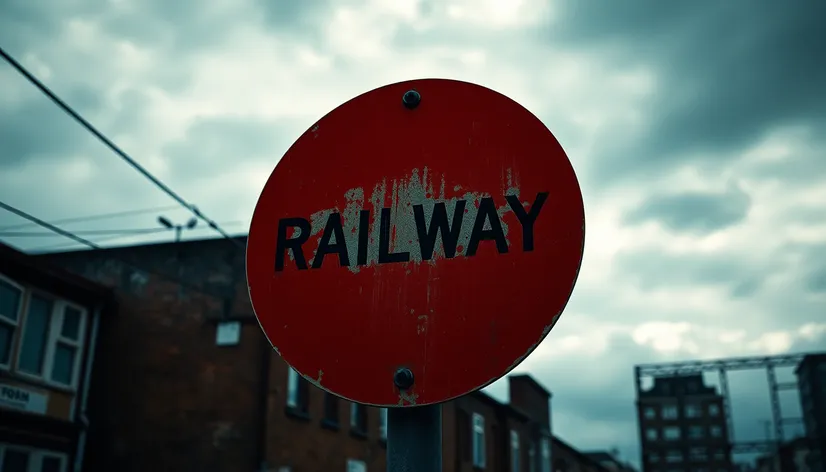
(723, 367)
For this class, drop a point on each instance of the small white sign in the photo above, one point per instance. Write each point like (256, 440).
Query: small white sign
(356, 466)
(228, 333)
(17, 398)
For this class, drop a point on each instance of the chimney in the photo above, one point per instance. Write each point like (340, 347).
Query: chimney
(527, 395)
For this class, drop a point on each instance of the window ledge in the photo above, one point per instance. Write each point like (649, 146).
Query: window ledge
(357, 433)
(296, 413)
(329, 424)
(35, 381)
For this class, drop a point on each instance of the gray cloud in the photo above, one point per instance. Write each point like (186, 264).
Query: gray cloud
(655, 269)
(217, 144)
(694, 212)
(728, 72)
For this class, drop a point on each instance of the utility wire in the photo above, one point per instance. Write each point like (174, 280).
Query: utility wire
(92, 245)
(101, 216)
(48, 226)
(90, 232)
(66, 108)
(122, 232)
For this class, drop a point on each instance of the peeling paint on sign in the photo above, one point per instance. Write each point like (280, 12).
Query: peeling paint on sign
(417, 216)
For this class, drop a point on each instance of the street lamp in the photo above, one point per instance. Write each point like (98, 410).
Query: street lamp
(178, 228)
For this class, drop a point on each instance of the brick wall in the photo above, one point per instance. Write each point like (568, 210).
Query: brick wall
(164, 396)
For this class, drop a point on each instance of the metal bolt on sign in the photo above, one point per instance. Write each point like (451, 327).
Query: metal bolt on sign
(452, 258)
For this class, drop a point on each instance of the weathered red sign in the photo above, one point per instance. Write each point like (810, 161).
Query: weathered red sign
(409, 251)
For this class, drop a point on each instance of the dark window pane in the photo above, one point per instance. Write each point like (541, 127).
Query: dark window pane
(34, 335)
(15, 461)
(51, 464)
(6, 334)
(64, 364)
(9, 301)
(71, 323)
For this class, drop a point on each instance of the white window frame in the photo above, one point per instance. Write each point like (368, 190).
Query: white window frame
(478, 440)
(36, 456)
(383, 424)
(545, 450)
(292, 387)
(53, 338)
(14, 324)
(515, 451)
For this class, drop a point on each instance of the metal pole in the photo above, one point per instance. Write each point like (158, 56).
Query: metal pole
(777, 415)
(414, 439)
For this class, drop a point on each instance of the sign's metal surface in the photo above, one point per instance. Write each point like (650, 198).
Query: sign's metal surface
(443, 236)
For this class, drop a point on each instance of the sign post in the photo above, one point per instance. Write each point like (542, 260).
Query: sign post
(413, 246)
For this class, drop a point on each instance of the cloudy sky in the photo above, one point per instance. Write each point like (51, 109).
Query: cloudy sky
(695, 129)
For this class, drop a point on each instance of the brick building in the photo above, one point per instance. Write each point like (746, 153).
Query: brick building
(48, 339)
(186, 380)
(683, 427)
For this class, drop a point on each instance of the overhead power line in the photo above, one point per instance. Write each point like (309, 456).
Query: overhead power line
(114, 147)
(101, 216)
(90, 232)
(93, 245)
(48, 226)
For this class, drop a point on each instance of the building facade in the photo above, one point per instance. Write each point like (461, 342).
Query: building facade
(682, 427)
(186, 380)
(811, 379)
(48, 337)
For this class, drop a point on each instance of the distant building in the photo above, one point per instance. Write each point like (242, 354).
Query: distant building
(186, 380)
(48, 342)
(609, 461)
(682, 427)
(793, 456)
(811, 379)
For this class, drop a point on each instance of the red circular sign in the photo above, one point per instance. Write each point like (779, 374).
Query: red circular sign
(442, 233)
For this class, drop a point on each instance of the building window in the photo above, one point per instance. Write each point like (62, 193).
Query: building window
(531, 458)
(331, 410)
(298, 392)
(692, 410)
(695, 432)
(23, 459)
(716, 431)
(10, 297)
(651, 434)
(653, 457)
(356, 466)
(545, 447)
(671, 433)
(383, 424)
(358, 418)
(719, 454)
(50, 341)
(514, 451)
(698, 454)
(649, 413)
(714, 409)
(478, 440)
(674, 456)
(670, 412)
